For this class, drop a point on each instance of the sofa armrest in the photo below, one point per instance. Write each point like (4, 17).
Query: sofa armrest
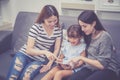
(5, 40)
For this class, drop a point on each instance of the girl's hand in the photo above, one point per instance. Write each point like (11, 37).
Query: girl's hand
(59, 61)
(72, 64)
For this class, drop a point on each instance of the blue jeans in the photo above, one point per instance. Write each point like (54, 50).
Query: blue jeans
(23, 65)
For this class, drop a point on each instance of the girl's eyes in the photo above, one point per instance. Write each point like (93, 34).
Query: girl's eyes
(49, 21)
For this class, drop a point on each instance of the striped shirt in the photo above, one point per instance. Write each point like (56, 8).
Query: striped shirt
(42, 40)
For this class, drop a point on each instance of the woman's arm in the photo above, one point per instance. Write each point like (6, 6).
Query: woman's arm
(57, 46)
(92, 62)
(32, 51)
(56, 49)
(80, 62)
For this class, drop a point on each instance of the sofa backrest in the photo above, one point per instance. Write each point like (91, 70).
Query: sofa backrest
(113, 27)
(23, 22)
(67, 21)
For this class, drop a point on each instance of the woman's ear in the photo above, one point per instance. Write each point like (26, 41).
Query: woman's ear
(94, 23)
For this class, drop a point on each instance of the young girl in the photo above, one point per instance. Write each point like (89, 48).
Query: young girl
(71, 48)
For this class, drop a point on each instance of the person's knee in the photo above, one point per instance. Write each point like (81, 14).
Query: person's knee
(29, 71)
(17, 68)
(13, 77)
(59, 74)
(18, 65)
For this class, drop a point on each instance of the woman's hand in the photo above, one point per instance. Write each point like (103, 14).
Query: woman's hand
(59, 61)
(50, 55)
(75, 59)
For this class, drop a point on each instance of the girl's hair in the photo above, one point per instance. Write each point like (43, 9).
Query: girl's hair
(89, 16)
(74, 31)
(46, 12)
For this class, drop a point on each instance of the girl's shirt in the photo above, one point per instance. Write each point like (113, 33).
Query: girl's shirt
(42, 40)
(70, 51)
(100, 49)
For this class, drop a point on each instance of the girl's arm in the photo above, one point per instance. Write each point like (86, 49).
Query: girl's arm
(61, 56)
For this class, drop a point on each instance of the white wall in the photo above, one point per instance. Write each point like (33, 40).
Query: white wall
(74, 8)
(0, 15)
(10, 8)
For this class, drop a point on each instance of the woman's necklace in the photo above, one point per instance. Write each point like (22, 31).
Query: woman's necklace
(48, 30)
(96, 34)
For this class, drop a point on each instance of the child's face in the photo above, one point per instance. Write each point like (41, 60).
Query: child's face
(74, 41)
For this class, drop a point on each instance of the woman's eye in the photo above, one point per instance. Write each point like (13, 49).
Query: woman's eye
(84, 26)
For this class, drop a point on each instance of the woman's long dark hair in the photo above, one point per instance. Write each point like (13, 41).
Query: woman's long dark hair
(46, 12)
(89, 16)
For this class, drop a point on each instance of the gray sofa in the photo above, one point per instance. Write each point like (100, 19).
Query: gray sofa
(11, 41)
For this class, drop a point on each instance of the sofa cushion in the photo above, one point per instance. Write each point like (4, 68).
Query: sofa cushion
(5, 60)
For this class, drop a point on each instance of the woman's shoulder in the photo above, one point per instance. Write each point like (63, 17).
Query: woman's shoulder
(105, 36)
(57, 30)
(37, 26)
